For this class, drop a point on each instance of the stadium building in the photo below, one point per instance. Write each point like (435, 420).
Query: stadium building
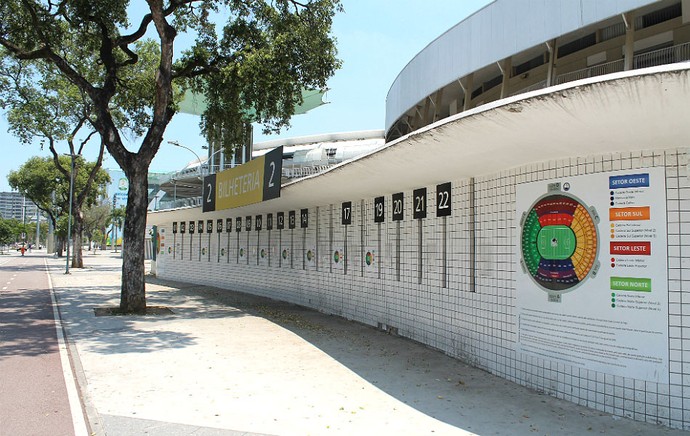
(529, 213)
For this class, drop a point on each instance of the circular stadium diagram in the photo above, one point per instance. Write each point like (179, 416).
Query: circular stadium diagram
(559, 242)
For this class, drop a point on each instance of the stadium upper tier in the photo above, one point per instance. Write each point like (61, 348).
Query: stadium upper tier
(515, 46)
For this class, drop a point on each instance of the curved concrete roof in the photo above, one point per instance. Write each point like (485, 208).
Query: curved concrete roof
(630, 111)
(499, 30)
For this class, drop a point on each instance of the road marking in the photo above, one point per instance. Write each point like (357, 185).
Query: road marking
(78, 421)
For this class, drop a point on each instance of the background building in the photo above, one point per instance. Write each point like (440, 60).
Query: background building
(14, 205)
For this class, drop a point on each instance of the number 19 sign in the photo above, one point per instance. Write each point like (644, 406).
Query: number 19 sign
(256, 181)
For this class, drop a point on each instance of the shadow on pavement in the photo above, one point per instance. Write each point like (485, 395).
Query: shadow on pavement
(27, 326)
(427, 380)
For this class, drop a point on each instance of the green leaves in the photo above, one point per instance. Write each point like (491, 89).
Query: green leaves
(41, 181)
(265, 55)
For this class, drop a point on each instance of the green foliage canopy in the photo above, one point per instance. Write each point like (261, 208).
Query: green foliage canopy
(40, 180)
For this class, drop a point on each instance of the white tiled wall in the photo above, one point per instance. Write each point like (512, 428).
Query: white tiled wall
(471, 318)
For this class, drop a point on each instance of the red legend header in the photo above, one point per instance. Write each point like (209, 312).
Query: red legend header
(631, 248)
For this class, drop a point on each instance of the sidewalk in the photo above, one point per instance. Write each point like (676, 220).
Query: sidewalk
(227, 363)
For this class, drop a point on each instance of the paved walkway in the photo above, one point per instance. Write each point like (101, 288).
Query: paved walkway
(227, 363)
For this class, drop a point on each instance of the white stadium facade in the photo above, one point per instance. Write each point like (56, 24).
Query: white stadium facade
(529, 212)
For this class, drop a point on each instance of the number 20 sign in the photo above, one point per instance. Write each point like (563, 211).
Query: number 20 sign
(398, 209)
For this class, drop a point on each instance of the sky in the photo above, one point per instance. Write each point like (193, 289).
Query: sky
(375, 40)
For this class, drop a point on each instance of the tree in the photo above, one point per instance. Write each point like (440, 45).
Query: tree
(117, 219)
(254, 68)
(48, 186)
(16, 228)
(6, 234)
(31, 232)
(96, 219)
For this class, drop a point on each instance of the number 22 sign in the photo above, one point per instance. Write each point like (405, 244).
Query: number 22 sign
(443, 197)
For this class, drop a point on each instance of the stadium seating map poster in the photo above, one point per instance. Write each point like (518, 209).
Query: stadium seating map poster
(592, 288)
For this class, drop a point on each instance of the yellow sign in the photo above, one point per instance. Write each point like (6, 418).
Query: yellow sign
(253, 182)
(240, 186)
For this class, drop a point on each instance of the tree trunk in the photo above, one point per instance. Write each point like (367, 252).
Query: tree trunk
(77, 230)
(59, 246)
(133, 292)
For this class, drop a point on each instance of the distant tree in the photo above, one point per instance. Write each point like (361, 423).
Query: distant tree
(96, 220)
(6, 234)
(117, 220)
(16, 228)
(253, 68)
(40, 180)
(44, 107)
(31, 232)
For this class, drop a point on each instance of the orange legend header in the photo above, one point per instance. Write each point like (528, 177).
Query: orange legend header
(629, 213)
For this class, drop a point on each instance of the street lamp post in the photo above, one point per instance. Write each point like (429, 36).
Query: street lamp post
(211, 159)
(177, 144)
(38, 227)
(24, 236)
(69, 217)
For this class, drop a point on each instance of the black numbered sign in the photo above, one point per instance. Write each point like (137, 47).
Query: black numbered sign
(219, 225)
(200, 226)
(269, 221)
(248, 223)
(238, 224)
(304, 218)
(346, 213)
(280, 217)
(379, 209)
(419, 203)
(443, 199)
(191, 227)
(208, 193)
(398, 206)
(228, 225)
(182, 226)
(258, 222)
(209, 226)
(174, 227)
(291, 219)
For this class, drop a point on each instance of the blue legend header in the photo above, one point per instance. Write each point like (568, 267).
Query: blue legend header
(629, 181)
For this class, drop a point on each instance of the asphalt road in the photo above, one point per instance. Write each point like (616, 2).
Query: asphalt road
(33, 391)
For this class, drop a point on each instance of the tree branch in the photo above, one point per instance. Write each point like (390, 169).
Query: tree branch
(194, 69)
(125, 40)
(85, 141)
(56, 159)
(92, 176)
